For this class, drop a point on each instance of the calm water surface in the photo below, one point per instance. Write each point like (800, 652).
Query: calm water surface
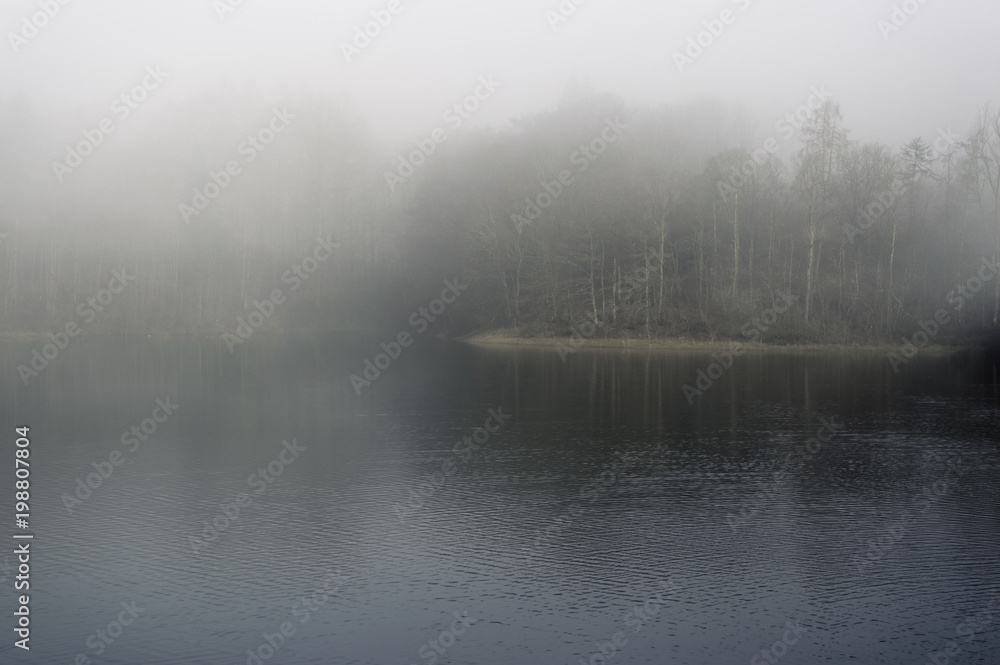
(605, 503)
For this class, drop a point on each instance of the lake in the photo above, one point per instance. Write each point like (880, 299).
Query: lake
(502, 505)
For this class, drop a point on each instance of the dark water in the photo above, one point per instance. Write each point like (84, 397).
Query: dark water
(606, 503)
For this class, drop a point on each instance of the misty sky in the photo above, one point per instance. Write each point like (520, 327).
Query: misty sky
(933, 72)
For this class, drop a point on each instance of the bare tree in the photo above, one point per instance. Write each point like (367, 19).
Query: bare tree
(983, 148)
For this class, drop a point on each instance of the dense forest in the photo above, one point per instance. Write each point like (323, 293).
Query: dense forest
(683, 221)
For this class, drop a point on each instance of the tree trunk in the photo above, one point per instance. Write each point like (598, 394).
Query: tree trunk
(736, 243)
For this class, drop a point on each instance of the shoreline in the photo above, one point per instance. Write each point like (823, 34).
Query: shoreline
(510, 339)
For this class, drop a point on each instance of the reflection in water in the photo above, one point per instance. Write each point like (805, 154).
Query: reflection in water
(556, 532)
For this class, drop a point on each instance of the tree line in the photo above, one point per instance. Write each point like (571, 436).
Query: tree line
(649, 222)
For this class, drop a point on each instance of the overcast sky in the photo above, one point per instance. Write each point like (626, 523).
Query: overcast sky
(932, 72)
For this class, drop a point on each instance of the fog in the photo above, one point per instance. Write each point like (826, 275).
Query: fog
(411, 132)
(923, 76)
(523, 331)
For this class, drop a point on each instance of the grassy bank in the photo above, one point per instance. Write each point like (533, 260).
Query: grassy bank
(509, 337)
